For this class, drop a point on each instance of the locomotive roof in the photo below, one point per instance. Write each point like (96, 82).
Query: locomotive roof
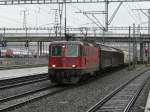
(101, 46)
(72, 42)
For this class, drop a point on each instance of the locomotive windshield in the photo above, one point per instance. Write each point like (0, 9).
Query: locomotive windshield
(56, 50)
(71, 50)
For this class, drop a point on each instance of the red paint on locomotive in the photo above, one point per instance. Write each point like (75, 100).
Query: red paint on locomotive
(87, 56)
(72, 58)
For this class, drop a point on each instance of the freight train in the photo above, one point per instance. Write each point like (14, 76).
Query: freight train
(70, 61)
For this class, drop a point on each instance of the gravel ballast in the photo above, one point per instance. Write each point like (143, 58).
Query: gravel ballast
(23, 88)
(80, 98)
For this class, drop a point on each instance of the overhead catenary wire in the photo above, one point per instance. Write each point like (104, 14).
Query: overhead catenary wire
(129, 12)
(78, 10)
(95, 22)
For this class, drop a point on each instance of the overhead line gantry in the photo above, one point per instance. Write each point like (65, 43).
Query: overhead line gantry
(107, 21)
(17, 2)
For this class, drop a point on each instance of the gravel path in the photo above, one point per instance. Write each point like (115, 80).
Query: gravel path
(80, 98)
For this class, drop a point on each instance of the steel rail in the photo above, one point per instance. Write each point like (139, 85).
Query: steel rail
(23, 83)
(12, 102)
(18, 81)
(109, 96)
(20, 66)
(134, 98)
(18, 102)
(23, 94)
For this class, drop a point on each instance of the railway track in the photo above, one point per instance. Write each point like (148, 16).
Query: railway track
(12, 102)
(122, 98)
(20, 66)
(9, 83)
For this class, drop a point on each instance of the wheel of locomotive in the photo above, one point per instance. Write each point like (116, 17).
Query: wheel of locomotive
(55, 80)
(71, 79)
(75, 80)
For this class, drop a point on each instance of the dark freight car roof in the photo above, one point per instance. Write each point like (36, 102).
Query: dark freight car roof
(108, 48)
(66, 42)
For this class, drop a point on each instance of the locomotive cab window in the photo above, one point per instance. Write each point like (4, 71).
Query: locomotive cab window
(71, 50)
(56, 50)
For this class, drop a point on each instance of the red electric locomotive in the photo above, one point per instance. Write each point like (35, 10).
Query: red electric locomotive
(70, 60)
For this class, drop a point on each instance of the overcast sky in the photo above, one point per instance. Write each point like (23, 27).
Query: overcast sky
(44, 15)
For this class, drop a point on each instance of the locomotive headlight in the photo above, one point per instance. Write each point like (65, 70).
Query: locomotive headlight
(53, 65)
(73, 66)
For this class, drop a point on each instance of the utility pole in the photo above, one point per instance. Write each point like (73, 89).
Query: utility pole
(148, 21)
(56, 22)
(25, 18)
(148, 16)
(106, 15)
(134, 48)
(25, 24)
(148, 35)
(65, 21)
(37, 12)
(60, 16)
(138, 36)
(26, 29)
(129, 64)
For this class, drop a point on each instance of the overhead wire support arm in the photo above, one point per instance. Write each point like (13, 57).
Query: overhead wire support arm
(115, 12)
(141, 11)
(99, 22)
(147, 15)
(93, 21)
(144, 12)
(85, 14)
(93, 12)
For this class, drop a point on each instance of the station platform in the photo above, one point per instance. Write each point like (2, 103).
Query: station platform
(15, 73)
(147, 108)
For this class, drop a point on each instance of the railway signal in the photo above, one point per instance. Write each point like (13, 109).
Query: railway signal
(27, 43)
(146, 51)
(4, 43)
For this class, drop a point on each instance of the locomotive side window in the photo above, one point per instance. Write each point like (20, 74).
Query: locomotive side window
(56, 50)
(84, 52)
(71, 50)
(81, 51)
(50, 51)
